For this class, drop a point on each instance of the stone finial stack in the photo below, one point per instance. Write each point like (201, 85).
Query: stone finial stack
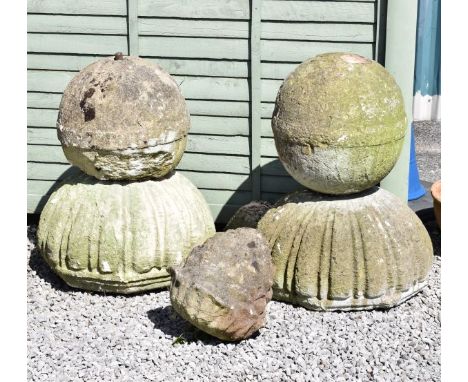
(344, 244)
(123, 121)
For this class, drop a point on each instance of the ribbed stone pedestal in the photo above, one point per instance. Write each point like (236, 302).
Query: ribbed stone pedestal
(362, 251)
(122, 236)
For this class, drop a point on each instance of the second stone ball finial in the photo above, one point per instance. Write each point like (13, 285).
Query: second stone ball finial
(339, 123)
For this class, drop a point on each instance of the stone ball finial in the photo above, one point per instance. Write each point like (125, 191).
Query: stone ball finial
(123, 118)
(339, 123)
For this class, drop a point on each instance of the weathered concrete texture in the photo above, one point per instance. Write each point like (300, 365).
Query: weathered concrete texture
(427, 140)
(224, 285)
(122, 236)
(248, 215)
(339, 123)
(123, 119)
(346, 252)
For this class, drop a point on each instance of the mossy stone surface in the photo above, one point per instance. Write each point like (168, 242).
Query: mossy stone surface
(224, 285)
(339, 123)
(123, 118)
(122, 236)
(354, 252)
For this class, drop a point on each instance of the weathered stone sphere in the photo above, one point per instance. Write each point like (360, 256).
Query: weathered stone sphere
(224, 285)
(346, 252)
(122, 236)
(248, 215)
(123, 118)
(339, 123)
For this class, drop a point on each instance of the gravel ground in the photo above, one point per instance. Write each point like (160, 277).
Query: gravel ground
(79, 336)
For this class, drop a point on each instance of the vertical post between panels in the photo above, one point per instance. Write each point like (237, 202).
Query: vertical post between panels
(255, 97)
(132, 27)
(400, 50)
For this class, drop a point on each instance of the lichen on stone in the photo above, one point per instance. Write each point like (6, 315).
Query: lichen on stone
(123, 119)
(339, 123)
(122, 236)
(361, 251)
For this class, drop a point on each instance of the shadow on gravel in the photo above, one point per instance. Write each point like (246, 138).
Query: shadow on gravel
(169, 322)
(427, 217)
(38, 265)
(42, 269)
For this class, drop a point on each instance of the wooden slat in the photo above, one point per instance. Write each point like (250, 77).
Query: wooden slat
(256, 95)
(218, 181)
(35, 203)
(223, 212)
(42, 118)
(329, 11)
(268, 147)
(276, 70)
(77, 24)
(318, 31)
(280, 185)
(81, 7)
(232, 49)
(270, 89)
(270, 30)
(48, 81)
(56, 171)
(266, 127)
(191, 28)
(298, 51)
(214, 144)
(220, 212)
(191, 67)
(200, 124)
(59, 62)
(267, 111)
(40, 100)
(76, 43)
(273, 166)
(203, 9)
(219, 108)
(234, 89)
(196, 107)
(201, 67)
(50, 154)
(132, 22)
(190, 161)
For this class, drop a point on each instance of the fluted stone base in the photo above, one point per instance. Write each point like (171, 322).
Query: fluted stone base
(122, 236)
(364, 251)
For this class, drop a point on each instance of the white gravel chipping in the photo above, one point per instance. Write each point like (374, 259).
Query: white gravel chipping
(81, 336)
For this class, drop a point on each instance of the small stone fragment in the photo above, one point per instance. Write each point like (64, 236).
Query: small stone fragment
(248, 215)
(224, 285)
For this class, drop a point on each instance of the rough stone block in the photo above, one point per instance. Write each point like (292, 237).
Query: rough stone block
(224, 285)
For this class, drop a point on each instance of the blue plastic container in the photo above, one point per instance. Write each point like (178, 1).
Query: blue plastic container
(415, 189)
